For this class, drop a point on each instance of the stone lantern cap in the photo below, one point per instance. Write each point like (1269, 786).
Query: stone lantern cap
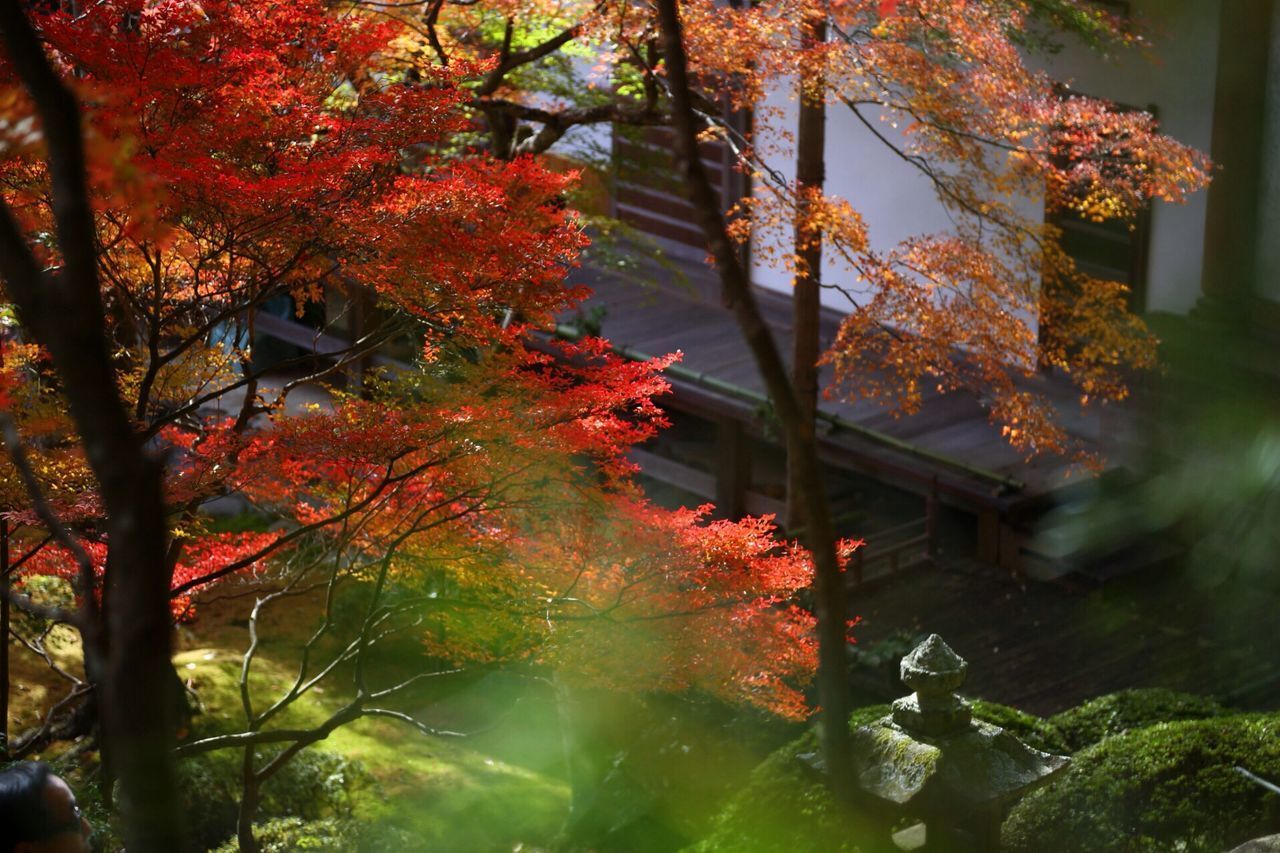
(935, 672)
(931, 753)
(933, 665)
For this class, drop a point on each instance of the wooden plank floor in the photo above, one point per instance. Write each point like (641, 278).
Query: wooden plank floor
(1039, 647)
(1044, 648)
(661, 315)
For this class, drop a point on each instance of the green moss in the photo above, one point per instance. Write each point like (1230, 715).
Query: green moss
(445, 793)
(1115, 713)
(784, 807)
(869, 714)
(1171, 786)
(1032, 730)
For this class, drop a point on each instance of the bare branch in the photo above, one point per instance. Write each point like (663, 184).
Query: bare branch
(405, 718)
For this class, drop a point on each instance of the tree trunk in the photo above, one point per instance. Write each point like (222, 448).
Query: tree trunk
(829, 591)
(4, 639)
(127, 648)
(807, 296)
(250, 799)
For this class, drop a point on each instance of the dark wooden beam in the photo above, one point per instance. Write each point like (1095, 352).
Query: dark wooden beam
(1239, 122)
(733, 468)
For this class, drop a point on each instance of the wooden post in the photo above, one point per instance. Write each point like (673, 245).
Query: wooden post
(1231, 236)
(989, 537)
(931, 522)
(361, 307)
(733, 468)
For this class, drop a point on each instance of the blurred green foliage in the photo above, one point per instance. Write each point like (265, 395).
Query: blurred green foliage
(1201, 470)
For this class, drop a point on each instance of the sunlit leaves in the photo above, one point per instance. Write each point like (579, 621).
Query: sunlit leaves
(947, 87)
(289, 151)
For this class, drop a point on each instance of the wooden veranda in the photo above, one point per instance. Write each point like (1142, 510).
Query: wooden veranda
(948, 450)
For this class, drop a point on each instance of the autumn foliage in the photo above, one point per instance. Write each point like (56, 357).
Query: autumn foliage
(948, 88)
(953, 89)
(486, 483)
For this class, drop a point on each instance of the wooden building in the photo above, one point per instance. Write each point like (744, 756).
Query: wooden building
(1215, 84)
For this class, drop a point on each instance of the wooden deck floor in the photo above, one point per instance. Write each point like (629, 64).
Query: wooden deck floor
(1044, 648)
(650, 311)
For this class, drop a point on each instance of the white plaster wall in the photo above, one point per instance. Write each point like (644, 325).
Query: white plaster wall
(1180, 85)
(897, 201)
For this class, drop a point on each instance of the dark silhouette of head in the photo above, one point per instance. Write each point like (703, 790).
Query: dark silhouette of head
(38, 812)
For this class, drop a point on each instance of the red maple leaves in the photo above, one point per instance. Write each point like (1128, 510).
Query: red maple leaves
(230, 166)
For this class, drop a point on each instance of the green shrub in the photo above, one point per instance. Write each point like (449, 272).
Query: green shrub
(49, 590)
(209, 791)
(286, 834)
(330, 834)
(312, 786)
(247, 521)
(316, 784)
(1171, 786)
(1115, 713)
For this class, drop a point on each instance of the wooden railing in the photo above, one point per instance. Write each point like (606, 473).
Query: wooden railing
(907, 544)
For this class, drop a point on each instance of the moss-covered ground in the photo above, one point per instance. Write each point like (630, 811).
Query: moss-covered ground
(671, 774)
(486, 791)
(500, 784)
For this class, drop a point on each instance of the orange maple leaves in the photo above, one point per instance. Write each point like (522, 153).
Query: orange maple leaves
(946, 87)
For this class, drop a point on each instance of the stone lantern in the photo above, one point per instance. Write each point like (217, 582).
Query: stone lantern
(931, 761)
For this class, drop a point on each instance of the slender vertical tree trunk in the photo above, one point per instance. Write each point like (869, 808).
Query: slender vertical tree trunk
(250, 799)
(4, 629)
(4, 639)
(829, 591)
(127, 645)
(807, 296)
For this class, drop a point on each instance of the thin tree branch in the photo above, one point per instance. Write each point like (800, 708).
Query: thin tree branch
(87, 579)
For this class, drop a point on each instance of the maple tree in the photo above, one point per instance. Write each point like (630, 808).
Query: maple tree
(225, 168)
(947, 86)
